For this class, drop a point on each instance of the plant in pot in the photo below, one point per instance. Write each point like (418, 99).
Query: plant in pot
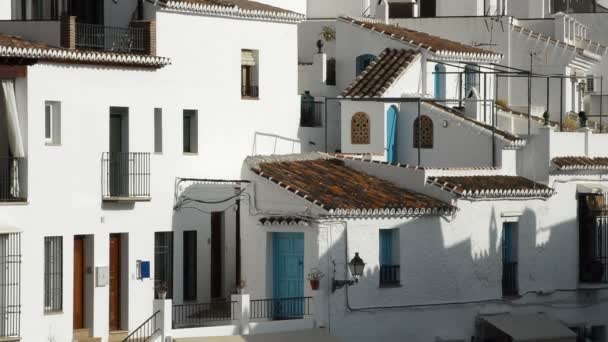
(240, 286)
(314, 277)
(162, 290)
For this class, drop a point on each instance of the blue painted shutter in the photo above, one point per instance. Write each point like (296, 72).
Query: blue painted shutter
(386, 247)
(391, 135)
(508, 250)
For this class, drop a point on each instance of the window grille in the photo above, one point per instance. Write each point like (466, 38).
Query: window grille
(10, 284)
(359, 128)
(53, 273)
(590, 83)
(423, 132)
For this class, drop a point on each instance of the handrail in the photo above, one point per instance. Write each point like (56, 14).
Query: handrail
(145, 331)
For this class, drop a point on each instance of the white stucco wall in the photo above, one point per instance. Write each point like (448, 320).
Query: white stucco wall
(6, 10)
(320, 9)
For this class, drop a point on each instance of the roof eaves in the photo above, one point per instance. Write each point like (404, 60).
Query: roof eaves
(235, 12)
(459, 191)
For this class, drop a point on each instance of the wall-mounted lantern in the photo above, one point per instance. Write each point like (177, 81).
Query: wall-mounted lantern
(356, 267)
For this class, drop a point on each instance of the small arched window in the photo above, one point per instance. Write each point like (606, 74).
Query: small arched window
(423, 132)
(440, 81)
(359, 129)
(471, 78)
(363, 61)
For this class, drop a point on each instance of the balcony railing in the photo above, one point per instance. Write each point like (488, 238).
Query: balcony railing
(595, 271)
(114, 39)
(12, 179)
(125, 176)
(249, 91)
(509, 279)
(311, 114)
(202, 314)
(281, 308)
(389, 275)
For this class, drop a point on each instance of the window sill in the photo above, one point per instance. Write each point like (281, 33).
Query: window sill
(50, 143)
(8, 204)
(389, 286)
(250, 98)
(190, 153)
(53, 313)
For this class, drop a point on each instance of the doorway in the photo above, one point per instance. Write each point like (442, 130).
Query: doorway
(288, 271)
(79, 265)
(119, 152)
(391, 135)
(217, 222)
(428, 8)
(115, 281)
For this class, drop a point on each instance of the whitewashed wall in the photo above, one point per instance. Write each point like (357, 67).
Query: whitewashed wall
(320, 9)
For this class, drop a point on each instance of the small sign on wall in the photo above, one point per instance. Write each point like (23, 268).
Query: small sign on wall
(143, 269)
(101, 276)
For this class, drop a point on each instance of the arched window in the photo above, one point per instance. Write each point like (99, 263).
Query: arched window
(471, 78)
(423, 132)
(440, 81)
(363, 61)
(359, 129)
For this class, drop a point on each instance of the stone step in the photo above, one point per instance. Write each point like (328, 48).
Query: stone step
(117, 336)
(81, 333)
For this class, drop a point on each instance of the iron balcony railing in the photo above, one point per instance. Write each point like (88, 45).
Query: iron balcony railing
(114, 39)
(202, 314)
(509, 279)
(12, 179)
(311, 114)
(249, 91)
(146, 331)
(594, 271)
(10, 283)
(389, 274)
(281, 308)
(125, 175)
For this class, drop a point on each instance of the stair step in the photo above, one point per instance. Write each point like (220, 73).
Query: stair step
(117, 336)
(88, 339)
(81, 334)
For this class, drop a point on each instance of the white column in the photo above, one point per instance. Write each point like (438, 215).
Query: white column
(319, 62)
(242, 311)
(165, 317)
(588, 133)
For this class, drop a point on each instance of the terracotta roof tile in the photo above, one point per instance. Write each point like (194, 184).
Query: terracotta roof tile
(424, 40)
(581, 163)
(491, 186)
(382, 72)
(344, 191)
(236, 8)
(243, 4)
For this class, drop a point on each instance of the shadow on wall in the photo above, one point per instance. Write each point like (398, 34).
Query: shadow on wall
(268, 144)
(435, 271)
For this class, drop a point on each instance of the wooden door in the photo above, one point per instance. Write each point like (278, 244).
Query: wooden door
(216, 254)
(78, 282)
(114, 282)
(288, 274)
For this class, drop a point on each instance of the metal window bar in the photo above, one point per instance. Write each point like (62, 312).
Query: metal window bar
(10, 285)
(163, 262)
(125, 175)
(202, 314)
(12, 179)
(509, 279)
(249, 91)
(281, 308)
(106, 38)
(311, 114)
(147, 331)
(53, 274)
(390, 274)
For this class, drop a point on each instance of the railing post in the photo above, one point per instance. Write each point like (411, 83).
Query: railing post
(165, 318)
(149, 27)
(68, 32)
(242, 311)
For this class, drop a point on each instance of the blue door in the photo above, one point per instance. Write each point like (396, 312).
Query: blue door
(288, 282)
(363, 61)
(391, 135)
(508, 255)
(386, 247)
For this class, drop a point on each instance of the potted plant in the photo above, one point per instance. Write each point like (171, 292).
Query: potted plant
(314, 277)
(162, 290)
(240, 287)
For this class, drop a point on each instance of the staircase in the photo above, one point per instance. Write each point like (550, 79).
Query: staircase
(117, 336)
(84, 335)
(148, 331)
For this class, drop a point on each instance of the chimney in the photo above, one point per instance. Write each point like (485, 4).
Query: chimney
(472, 105)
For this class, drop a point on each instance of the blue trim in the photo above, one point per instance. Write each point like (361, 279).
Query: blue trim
(363, 61)
(391, 134)
(386, 247)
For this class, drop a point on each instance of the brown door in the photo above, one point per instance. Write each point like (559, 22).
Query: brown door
(78, 282)
(114, 282)
(216, 254)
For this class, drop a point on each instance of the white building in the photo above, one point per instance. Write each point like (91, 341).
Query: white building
(102, 120)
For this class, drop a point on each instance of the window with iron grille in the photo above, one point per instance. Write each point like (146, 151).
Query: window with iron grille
(163, 263)
(53, 273)
(10, 284)
(423, 132)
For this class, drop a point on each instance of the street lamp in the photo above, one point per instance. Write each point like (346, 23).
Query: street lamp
(356, 267)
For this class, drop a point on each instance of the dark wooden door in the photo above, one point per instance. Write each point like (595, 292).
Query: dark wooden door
(216, 254)
(114, 282)
(190, 265)
(78, 282)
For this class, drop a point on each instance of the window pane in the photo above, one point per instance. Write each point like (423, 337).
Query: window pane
(158, 130)
(53, 273)
(187, 133)
(48, 121)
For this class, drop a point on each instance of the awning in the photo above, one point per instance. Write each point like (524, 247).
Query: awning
(314, 335)
(532, 327)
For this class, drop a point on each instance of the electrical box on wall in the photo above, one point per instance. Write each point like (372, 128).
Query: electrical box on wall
(143, 269)
(102, 276)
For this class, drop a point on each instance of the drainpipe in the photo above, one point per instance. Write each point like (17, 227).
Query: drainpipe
(238, 241)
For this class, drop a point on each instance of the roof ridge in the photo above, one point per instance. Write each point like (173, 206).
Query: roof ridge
(231, 8)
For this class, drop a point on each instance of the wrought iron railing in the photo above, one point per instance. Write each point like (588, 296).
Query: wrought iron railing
(12, 179)
(509, 279)
(594, 271)
(249, 91)
(125, 175)
(10, 283)
(114, 39)
(280, 308)
(389, 274)
(202, 314)
(146, 331)
(311, 114)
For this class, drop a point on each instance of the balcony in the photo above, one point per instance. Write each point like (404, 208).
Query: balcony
(113, 39)
(125, 176)
(13, 179)
(389, 275)
(509, 279)
(311, 114)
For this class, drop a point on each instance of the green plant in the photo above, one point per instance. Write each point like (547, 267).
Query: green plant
(569, 125)
(328, 33)
(501, 103)
(315, 274)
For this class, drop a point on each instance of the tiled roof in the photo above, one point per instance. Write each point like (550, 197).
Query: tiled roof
(491, 186)
(234, 8)
(283, 221)
(581, 163)
(16, 47)
(343, 191)
(382, 72)
(437, 45)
